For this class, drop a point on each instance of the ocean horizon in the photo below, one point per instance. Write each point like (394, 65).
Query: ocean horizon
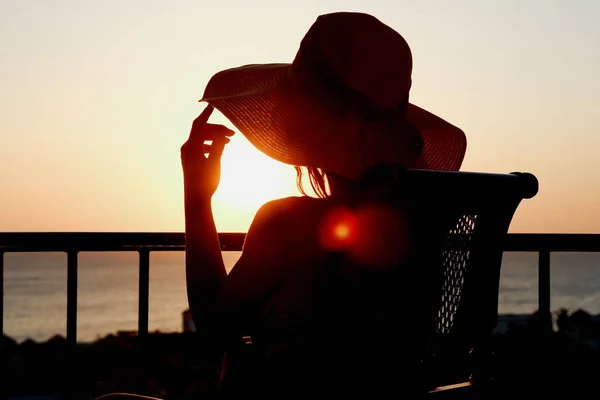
(35, 290)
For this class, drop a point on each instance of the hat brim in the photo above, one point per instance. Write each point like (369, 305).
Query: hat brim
(285, 123)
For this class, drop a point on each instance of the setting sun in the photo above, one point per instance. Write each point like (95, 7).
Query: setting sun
(248, 180)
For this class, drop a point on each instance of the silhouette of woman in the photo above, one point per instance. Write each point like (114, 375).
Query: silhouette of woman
(312, 305)
(322, 300)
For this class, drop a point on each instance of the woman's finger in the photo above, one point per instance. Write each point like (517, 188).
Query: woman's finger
(209, 132)
(216, 148)
(220, 143)
(204, 116)
(200, 121)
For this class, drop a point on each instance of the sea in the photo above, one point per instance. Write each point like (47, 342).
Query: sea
(35, 290)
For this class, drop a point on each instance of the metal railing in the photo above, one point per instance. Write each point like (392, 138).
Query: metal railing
(144, 243)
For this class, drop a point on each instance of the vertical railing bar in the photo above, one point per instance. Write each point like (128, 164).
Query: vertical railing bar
(72, 256)
(544, 290)
(2, 294)
(144, 293)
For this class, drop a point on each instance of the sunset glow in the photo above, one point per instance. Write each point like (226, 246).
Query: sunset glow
(248, 180)
(98, 97)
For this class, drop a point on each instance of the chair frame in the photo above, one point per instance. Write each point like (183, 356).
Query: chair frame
(468, 217)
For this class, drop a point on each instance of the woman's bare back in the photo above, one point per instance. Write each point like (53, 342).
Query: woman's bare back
(314, 317)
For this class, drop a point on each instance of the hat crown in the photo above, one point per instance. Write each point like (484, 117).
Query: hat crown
(362, 54)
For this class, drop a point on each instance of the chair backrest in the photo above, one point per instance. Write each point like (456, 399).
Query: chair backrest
(461, 221)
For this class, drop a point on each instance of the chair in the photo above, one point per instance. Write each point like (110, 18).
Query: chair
(462, 221)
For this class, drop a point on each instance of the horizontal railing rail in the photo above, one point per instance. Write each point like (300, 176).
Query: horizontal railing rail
(144, 243)
(105, 241)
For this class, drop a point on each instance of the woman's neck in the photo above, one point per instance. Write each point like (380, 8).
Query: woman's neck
(342, 189)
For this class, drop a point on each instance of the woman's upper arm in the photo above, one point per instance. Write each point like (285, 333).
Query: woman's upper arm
(262, 262)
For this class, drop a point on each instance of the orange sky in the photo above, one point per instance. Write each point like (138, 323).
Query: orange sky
(97, 98)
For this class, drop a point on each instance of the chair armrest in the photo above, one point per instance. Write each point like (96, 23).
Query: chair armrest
(457, 390)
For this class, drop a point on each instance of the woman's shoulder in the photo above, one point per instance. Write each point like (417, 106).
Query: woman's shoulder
(289, 207)
(290, 220)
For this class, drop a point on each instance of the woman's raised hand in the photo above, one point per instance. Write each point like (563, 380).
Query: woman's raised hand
(201, 161)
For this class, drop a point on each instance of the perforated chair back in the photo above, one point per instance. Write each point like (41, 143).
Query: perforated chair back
(460, 223)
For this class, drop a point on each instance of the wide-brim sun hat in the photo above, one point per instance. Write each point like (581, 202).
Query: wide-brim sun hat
(350, 67)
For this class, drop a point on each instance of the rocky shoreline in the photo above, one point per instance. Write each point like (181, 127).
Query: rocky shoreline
(165, 365)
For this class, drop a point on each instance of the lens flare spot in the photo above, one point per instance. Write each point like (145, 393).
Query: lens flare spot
(338, 230)
(372, 235)
(342, 230)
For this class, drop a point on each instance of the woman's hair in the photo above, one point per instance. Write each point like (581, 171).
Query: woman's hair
(381, 175)
(318, 181)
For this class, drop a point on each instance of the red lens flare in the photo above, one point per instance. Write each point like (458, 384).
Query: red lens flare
(338, 230)
(372, 235)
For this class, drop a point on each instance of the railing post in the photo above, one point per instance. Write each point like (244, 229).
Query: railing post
(72, 298)
(2, 294)
(544, 291)
(144, 293)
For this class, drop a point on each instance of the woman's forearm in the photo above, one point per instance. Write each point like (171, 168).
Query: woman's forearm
(205, 271)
